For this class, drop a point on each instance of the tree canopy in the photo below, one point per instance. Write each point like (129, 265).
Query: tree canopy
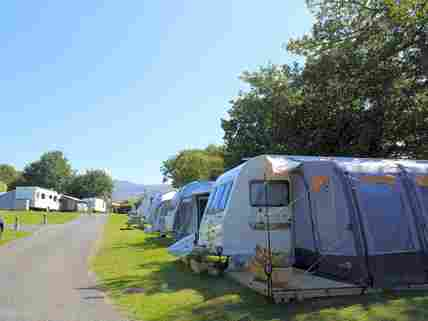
(93, 183)
(52, 170)
(8, 174)
(362, 90)
(194, 164)
(3, 187)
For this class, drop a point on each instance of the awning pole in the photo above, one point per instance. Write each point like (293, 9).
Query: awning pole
(268, 265)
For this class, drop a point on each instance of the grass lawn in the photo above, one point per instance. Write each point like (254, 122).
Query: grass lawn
(32, 218)
(133, 259)
(9, 235)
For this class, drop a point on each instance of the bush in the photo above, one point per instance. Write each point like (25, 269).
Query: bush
(3, 187)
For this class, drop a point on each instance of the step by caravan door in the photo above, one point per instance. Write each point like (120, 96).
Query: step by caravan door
(394, 252)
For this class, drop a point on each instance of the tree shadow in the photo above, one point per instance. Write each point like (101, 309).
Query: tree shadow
(224, 299)
(154, 241)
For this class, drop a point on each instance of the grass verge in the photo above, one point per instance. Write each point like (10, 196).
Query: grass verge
(33, 218)
(9, 235)
(132, 259)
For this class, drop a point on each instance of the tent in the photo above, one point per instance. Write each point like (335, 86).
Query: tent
(192, 200)
(359, 220)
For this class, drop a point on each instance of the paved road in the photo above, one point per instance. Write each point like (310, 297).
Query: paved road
(45, 277)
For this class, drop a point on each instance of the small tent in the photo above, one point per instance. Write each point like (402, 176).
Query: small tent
(359, 220)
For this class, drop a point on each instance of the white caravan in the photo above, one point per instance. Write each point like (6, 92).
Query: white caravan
(144, 210)
(161, 211)
(191, 205)
(234, 221)
(96, 204)
(38, 198)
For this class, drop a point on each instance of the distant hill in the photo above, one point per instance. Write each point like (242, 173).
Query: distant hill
(123, 190)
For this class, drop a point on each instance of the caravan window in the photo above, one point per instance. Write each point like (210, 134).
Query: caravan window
(225, 198)
(211, 199)
(219, 198)
(277, 193)
(43, 196)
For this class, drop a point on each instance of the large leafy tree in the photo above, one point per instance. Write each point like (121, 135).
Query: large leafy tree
(52, 171)
(367, 63)
(362, 91)
(269, 117)
(8, 174)
(93, 183)
(194, 164)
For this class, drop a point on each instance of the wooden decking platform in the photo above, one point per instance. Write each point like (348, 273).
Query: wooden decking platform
(301, 286)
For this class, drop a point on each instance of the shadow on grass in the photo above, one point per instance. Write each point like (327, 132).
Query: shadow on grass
(153, 242)
(223, 299)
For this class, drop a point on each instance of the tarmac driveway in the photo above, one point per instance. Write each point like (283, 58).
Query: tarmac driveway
(45, 277)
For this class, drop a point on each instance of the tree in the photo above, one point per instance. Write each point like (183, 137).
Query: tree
(3, 187)
(93, 183)
(194, 164)
(367, 62)
(269, 117)
(8, 174)
(52, 171)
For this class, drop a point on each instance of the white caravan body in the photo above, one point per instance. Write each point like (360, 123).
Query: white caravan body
(170, 216)
(234, 224)
(145, 207)
(154, 203)
(96, 204)
(39, 198)
(162, 211)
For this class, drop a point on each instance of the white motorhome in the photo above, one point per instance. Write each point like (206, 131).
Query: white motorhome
(96, 204)
(38, 198)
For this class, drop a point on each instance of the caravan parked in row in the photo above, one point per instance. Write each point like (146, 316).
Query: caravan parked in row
(95, 204)
(160, 210)
(360, 220)
(191, 204)
(33, 197)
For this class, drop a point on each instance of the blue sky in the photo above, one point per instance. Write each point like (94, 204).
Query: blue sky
(123, 85)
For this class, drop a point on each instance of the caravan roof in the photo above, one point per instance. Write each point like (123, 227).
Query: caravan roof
(167, 196)
(196, 187)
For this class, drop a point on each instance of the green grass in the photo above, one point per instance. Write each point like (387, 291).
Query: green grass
(32, 218)
(130, 258)
(9, 235)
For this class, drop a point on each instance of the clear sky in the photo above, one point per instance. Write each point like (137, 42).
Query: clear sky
(123, 85)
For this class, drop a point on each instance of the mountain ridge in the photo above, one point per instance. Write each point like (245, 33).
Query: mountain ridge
(124, 190)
